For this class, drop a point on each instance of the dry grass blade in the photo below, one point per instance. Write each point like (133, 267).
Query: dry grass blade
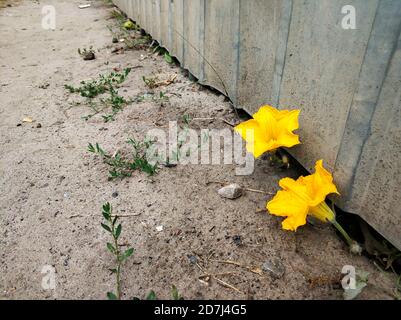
(208, 275)
(254, 270)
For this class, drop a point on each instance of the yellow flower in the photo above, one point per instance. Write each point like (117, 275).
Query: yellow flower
(269, 129)
(304, 196)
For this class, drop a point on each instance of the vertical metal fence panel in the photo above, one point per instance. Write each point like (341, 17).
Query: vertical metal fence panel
(321, 71)
(193, 36)
(221, 45)
(177, 29)
(134, 4)
(259, 24)
(373, 139)
(138, 12)
(156, 18)
(296, 54)
(143, 13)
(149, 26)
(164, 23)
(382, 43)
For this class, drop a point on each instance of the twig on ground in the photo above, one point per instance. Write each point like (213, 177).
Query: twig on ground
(221, 119)
(113, 216)
(223, 283)
(257, 271)
(247, 189)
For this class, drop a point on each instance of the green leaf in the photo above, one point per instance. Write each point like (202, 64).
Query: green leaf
(113, 270)
(105, 227)
(91, 148)
(151, 296)
(118, 231)
(128, 253)
(168, 58)
(174, 293)
(111, 247)
(111, 296)
(107, 207)
(106, 215)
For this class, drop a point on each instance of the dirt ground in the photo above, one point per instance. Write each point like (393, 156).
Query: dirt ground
(52, 189)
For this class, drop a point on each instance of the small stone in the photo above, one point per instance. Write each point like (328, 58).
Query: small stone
(231, 191)
(65, 263)
(192, 259)
(44, 85)
(39, 126)
(275, 267)
(237, 240)
(114, 194)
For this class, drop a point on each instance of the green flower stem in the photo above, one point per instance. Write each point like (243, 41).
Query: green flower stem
(343, 232)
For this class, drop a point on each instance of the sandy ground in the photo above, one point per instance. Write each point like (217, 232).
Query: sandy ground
(52, 189)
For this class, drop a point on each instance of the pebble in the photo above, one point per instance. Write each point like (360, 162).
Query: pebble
(237, 240)
(231, 191)
(192, 259)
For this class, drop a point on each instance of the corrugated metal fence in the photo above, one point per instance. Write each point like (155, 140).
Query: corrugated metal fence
(295, 53)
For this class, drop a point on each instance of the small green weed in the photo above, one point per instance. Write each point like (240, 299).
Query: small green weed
(118, 15)
(152, 295)
(121, 166)
(177, 154)
(150, 82)
(105, 84)
(162, 51)
(112, 226)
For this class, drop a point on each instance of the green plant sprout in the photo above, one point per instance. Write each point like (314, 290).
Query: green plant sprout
(174, 294)
(123, 167)
(105, 84)
(112, 226)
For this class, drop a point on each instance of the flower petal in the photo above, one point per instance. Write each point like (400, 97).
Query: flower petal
(266, 117)
(293, 222)
(290, 120)
(321, 184)
(272, 129)
(287, 139)
(263, 111)
(288, 204)
(255, 137)
(296, 186)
